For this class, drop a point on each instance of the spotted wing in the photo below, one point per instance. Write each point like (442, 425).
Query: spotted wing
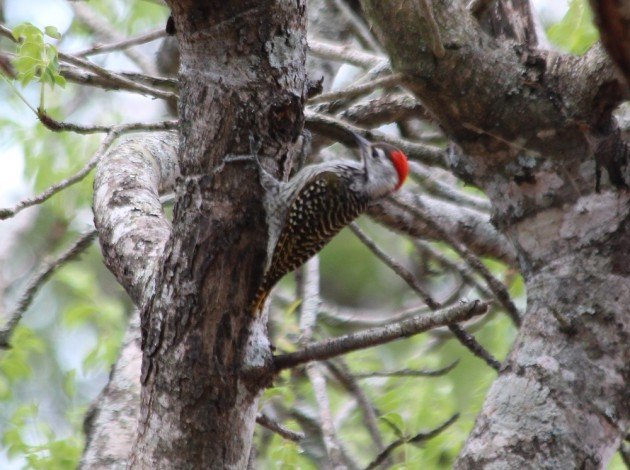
(324, 206)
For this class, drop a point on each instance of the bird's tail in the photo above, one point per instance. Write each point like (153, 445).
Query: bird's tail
(259, 301)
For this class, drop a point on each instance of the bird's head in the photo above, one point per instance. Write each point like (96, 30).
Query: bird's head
(386, 167)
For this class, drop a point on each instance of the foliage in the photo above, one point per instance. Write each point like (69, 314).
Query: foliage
(35, 59)
(575, 32)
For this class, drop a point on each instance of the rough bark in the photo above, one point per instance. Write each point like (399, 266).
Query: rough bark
(111, 423)
(613, 19)
(128, 212)
(242, 74)
(534, 129)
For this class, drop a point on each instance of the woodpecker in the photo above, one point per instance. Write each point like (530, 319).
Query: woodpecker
(306, 212)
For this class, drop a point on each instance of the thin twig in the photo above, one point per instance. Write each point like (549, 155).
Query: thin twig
(355, 91)
(55, 188)
(6, 32)
(497, 288)
(471, 343)
(116, 78)
(341, 131)
(446, 191)
(123, 44)
(463, 269)
(403, 273)
(435, 40)
(420, 437)
(364, 34)
(334, 107)
(152, 80)
(346, 54)
(348, 381)
(101, 27)
(43, 273)
(266, 422)
(466, 339)
(59, 126)
(333, 448)
(309, 291)
(370, 337)
(384, 109)
(409, 372)
(360, 318)
(79, 76)
(113, 133)
(113, 78)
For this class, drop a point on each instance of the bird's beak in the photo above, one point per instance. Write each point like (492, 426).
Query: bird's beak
(364, 150)
(362, 142)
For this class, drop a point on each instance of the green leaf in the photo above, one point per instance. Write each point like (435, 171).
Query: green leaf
(60, 80)
(395, 422)
(576, 32)
(49, 76)
(35, 59)
(25, 31)
(52, 32)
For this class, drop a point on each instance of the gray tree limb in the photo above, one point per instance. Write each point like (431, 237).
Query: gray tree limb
(536, 130)
(128, 214)
(112, 421)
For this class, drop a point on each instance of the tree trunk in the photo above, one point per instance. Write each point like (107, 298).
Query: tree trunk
(534, 129)
(242, 77)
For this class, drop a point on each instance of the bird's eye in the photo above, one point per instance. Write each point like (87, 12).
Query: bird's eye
(375, 153)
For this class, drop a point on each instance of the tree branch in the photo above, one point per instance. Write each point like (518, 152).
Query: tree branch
(380, 335)
(470, 227)
(362, 32)
(466, 339)
(408, 372)
(54, 189)
(612, 18)
(473, 345)
(435, 40)
(102, 28)
(420, 437)
(127, 209)
(111, 422)
(342, 132)
(356, 90)
(309, 292)
(266, 422)
(496, 286)
(47, 268)
(383, 110)
(123, 43)
(403, 273)
(445, 191)
(115, 78)
(113, 132)
(345, 54)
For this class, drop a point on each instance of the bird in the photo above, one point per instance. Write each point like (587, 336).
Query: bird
(306, 212)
